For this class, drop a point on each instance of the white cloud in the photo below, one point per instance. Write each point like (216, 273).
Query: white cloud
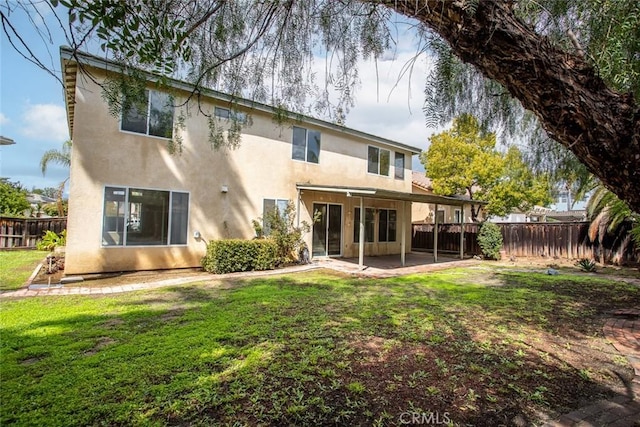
(3, 119)
(46, 122)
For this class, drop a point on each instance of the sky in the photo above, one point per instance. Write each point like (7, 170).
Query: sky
(32, 110)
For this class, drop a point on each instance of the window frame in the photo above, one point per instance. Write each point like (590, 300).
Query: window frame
(378, 161)
(388, 223)
(126, 214)
(457, 216)
(265, 230)
(398, 156)
(147, 116)
(356, 225)
(375, 224)
(307, 133)
(230, 114)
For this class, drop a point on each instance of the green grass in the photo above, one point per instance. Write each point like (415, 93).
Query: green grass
(306, 349)
(17, 266)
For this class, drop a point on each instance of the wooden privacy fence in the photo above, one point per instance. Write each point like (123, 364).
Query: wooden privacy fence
(27, 232)
(559, 239)
(532, 239)
(448, 238)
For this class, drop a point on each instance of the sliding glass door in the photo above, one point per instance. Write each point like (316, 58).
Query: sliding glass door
(327, 230)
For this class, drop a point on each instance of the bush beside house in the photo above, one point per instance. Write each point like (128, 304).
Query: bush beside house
(490, 240)
(231, 255)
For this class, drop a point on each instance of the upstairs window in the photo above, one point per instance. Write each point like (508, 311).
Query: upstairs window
(378, 161)
(399, 166)
(153, 115)
(227, 114)
(306, 145)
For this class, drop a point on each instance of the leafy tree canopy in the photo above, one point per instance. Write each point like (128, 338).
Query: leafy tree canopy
(464, 160)
(573, 65)
(13, 198)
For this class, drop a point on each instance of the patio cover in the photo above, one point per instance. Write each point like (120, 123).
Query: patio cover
(377, 193)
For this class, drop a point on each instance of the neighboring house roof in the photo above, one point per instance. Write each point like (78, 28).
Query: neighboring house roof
(69, 60)
(39, 198)
(420, 180)
(6, 141)
(576, 215)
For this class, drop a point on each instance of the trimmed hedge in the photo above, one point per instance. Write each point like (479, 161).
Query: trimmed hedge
(490, 240)
(232, 255)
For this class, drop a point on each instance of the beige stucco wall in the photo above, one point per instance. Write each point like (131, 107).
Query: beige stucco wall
(260, 168)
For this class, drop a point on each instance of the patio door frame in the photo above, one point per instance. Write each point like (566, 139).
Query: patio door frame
(327, 228)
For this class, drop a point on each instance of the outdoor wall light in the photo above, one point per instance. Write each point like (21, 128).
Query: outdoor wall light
(197, 235)
(224, 189)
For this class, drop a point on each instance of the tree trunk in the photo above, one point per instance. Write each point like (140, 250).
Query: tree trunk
(574, 105)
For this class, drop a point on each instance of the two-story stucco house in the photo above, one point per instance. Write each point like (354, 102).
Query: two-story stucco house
(134, 205)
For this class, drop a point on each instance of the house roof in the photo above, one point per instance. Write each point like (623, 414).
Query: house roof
(69, 59)
(420, 180)
(377, 193)
(6, 141)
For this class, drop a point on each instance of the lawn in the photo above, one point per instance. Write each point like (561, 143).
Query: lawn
(476, 346)
(17, 266)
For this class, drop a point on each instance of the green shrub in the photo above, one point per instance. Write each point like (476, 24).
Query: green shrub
(490, 240)
(586, 264)
(51, 240)
(279, 227)
(232, 255)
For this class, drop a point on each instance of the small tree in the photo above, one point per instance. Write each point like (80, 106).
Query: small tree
(490, 240)
(465, 161)
(280, 227)
(63, 158)
(13, 198)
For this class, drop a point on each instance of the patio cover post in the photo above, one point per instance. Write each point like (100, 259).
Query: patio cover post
(462, 232)
(403, 237)
(435, 235)
(361, 240)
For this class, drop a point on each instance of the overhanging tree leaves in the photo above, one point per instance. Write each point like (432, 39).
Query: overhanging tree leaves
(264, 50)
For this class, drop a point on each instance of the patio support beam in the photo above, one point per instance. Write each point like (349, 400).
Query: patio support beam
(462, 232)
(435, 234)
(298, 209)
(403, 235)
(361, 240)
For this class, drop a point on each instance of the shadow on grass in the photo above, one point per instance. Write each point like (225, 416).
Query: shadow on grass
(307, 349)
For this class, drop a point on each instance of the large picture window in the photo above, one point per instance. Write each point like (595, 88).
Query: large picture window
(142, 217)
(378, 161)
(153, 115)
(306, 145)
(369, 225)
(387, 220)
(387, 225)
(268, 206)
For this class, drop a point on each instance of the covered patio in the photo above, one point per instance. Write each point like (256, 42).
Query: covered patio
(404, 200)
(390, 265)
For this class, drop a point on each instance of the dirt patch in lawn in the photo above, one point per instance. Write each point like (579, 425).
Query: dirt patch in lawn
(51, 271)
